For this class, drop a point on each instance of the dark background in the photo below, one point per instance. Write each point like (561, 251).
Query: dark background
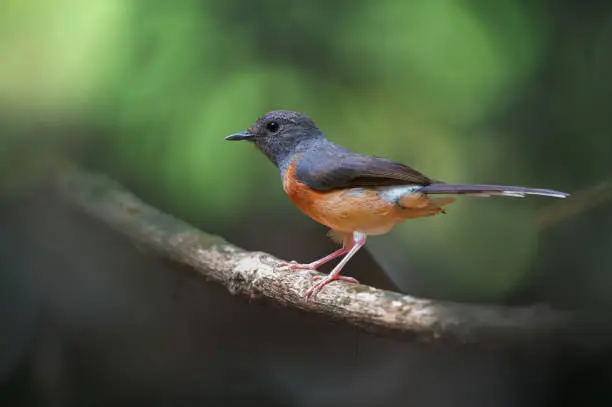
(508, 92)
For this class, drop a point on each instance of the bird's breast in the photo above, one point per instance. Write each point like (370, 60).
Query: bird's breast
(372, 211)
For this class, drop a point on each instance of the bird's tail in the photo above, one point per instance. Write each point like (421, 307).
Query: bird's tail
(489, 190)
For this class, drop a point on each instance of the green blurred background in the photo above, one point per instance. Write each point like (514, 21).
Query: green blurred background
(511, 92)
(463, 91)
(454, 88)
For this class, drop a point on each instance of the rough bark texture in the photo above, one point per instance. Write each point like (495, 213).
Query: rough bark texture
(256, 275)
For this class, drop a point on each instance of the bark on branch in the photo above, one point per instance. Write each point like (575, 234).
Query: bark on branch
(256, 274)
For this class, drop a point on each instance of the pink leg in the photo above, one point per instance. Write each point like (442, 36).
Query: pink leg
(359, 241)
(346, 247)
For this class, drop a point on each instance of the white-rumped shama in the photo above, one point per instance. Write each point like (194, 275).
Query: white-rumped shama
(354, 195)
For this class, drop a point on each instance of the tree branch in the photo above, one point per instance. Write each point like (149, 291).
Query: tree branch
(256, 274)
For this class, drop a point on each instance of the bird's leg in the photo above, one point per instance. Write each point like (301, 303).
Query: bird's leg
(359, 240)
(293, 265)
(347, 244)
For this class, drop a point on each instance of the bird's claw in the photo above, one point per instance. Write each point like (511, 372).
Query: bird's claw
(323, 281)
(294, 265)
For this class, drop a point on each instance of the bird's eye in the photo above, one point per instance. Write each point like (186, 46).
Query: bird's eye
(272, 126)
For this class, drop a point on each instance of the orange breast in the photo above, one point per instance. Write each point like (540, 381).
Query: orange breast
(363, 210)
(346, 210)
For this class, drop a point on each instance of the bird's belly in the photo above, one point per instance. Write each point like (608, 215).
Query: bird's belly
(351, 210)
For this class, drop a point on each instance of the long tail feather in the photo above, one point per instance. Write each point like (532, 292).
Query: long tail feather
(489, 190)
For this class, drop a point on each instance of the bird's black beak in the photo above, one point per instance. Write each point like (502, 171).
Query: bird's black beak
(241, 135)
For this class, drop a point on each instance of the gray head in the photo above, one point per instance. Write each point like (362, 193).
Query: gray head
(281, 134)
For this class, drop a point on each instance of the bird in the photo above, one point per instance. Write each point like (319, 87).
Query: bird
(353, 194)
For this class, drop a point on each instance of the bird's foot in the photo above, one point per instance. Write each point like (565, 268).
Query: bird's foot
(323, 281)
(294, 265)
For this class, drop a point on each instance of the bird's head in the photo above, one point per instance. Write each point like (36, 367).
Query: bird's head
(280, 134)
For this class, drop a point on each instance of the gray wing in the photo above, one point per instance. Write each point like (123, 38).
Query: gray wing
(337, 168)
